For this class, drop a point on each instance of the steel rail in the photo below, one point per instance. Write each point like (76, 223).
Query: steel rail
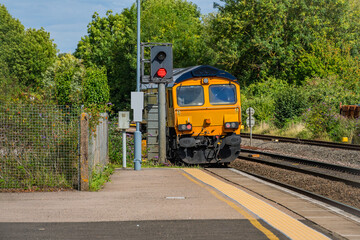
(346, 208)
(303, 141)
(305, 161)
(306, 170)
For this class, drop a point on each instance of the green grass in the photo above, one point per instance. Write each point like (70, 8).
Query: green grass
(296, 129)
(100, 177)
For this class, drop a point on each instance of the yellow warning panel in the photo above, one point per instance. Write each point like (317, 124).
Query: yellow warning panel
(288, 225)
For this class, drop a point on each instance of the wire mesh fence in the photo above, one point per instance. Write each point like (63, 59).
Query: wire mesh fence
(39, 146)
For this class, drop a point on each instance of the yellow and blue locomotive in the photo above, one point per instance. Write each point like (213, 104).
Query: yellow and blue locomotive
(203, 116)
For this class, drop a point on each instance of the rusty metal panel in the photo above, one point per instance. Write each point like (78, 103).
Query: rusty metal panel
(350, 111)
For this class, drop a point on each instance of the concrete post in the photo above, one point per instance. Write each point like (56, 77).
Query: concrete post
(84, 151)
(162, 123)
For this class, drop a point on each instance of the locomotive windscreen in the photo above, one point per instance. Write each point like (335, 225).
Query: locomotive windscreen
(190, 96)
(222, 94)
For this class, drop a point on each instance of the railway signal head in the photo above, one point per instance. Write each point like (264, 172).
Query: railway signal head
(161, 62)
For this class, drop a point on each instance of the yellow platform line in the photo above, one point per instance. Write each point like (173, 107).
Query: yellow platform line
(289, 226)
(247, 215)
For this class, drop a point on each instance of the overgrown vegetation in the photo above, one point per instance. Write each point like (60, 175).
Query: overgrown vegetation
(115, 146)
(38, 146)
(100, 176)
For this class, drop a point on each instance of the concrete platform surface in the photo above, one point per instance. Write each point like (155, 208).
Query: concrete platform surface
(147, 204)
(158, 203)
(149, 194)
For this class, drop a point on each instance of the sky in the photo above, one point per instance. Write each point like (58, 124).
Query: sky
(67, 20)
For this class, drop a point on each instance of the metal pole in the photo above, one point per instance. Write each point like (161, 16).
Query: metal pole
(137, 159)
(162, 123)
(124, 147)
(250, 127)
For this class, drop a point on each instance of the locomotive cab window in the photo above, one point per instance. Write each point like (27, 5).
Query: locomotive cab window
(190, 96)
(222, 94)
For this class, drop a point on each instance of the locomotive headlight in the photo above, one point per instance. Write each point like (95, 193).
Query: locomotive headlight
(205, 81)
(231, 125)
(185, 127)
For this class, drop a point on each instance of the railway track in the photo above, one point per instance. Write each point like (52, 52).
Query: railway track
(347, 175)
(303, 141)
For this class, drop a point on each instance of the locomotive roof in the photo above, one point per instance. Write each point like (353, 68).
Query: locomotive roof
(182, 74)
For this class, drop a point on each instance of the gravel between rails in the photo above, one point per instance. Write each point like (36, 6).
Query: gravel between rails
(334, 190)
(348, 158)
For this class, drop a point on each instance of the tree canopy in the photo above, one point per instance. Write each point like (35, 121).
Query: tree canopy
(24, 54)
(111, 41)
(258, 39)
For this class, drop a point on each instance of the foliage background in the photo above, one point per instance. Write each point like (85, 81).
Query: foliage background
(291, 57)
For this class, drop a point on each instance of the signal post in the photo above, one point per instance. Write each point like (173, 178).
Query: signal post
(161, 72)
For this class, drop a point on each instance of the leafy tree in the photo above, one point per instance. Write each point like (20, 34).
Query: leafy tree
(27, 54)
(324, 59)
(95, 86)
(37, 52)
(255, 39)
(111, 41)
(10, 35)
(177, 22)
(62, 82)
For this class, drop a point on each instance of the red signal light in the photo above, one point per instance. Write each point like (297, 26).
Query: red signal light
(161, 72)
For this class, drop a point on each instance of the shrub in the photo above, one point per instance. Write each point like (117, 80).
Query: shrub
(263, 106)
(62, 81)
(95, 86)
(345, 128)
(260, 96)
(288, 104)
(115, 145)
(321, 119)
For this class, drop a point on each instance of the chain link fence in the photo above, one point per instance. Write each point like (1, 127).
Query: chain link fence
(39, 146)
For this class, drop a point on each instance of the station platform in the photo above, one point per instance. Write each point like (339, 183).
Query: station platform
(157, 203)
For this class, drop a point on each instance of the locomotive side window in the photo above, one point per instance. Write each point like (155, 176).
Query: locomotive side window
(190, 96)
(222, 94)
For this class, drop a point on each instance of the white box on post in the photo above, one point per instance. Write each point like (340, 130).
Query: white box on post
(137, 104)
(124, 120)
(124, 123)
